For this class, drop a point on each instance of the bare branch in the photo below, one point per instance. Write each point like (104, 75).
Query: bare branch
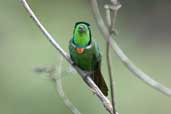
(60, 90)
(110, 76)
(116, 49)
(108, 15)
(114, 8)
(54, 73)
(105, 101)
(111, 13)
(109, 22)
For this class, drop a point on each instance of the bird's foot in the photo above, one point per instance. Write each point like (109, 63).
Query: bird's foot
(88, 74)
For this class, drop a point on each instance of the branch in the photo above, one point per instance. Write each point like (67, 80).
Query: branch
(60, 90)
(111, 13)
(128, 63)
(104, 100)
(54, 73)
(110, 76)
(110, 21)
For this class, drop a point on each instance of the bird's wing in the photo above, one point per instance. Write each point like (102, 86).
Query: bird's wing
(97, 75)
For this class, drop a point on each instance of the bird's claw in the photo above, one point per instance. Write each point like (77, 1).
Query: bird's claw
(73, 63)
(88, 74)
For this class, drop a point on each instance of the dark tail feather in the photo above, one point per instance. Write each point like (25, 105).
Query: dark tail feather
(100, 82)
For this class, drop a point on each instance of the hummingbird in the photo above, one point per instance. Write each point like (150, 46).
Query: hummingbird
(85, 53)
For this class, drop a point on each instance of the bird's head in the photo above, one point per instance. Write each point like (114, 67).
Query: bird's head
(82, 34)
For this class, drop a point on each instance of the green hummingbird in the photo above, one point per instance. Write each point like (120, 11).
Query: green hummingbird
(85, 53)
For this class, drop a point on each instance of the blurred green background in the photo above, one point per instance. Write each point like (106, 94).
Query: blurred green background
(145, 30)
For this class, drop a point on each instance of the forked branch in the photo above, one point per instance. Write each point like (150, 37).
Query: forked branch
(55, 73)
(127, 62)
(111, 13)
(60, 90)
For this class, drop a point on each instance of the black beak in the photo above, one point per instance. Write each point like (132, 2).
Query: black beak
(81, 29)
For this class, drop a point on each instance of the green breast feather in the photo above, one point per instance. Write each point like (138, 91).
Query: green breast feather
(89, 59)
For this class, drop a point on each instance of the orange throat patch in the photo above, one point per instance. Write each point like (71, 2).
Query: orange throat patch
(80, 50)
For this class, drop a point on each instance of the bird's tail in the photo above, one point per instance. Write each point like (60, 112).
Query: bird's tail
(100, 82)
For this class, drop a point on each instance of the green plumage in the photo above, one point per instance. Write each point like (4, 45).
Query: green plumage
(89, 57)
(88, 60)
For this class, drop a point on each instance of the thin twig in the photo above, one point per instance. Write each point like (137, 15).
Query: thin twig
(114, 9)
(110, 76)
(54, 73)
(61, 92)
(128, 63)
(108, 18)
(111, 13)
(105, 101)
